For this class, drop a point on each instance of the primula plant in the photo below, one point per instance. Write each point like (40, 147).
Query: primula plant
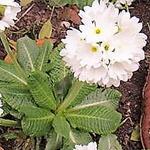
(59, 92)
(40, 92)
(107, 48)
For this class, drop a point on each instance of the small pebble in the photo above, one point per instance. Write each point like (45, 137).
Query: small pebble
(65, 24)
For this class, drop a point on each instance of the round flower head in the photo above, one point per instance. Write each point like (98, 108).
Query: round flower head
(99, 21)
(90, 146)
(1, 110)
(108, 46)
(8, 13)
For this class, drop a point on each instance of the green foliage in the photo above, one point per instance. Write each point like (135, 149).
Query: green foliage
(9, 136)
(44, 98)
(37, 121)
(62, 87)
(61, 126)
(101, 97)
(78, 91)
(43, 57)
(41, 91)
(9, 74)
(80, 3)
(54, 141)
(83, 90)
(97, 119)
(76, 137)
(56, 68)
(109, 143)
(21, 94)
(7, 123)
(27, 53)
(16, 95)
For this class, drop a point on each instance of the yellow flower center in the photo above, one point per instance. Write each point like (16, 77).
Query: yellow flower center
(2, 10)
(98, 31)
(106, 46)
(94, 48)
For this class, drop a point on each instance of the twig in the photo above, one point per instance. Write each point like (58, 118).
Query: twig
(52, 12)
(148, 25)
(25, 13)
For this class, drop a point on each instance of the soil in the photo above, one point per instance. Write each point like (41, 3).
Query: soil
(31, 20)
(131, 102)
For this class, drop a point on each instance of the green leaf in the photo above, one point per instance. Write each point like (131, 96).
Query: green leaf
(61, 126)
(10, 53)
(9, 73)
(97, 119)
(62, 87)
(46, 30)
(42, 60)
(56, 67)
(76, 137)
(79, 137)
(101, 97)
(16, 95)
(41, 90)
(80, 3)
(37, 121)
(7, 123)
(84, 90)
(9, 136)
(27, 53)
(76, 94)
(8, 110)
(54, 141)
(109, 143)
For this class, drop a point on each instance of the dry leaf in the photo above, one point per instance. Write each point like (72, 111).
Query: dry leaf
(46, 30)
(135, 136)
(8, 59)
(25, 2)
(40, 42)
(12, 44)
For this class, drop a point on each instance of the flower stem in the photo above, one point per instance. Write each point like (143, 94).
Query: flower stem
(10, 53)
(73, 92)
(7, 123)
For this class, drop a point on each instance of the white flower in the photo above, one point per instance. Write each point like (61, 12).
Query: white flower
(97, 25)
(120, 3)
(128, 2)
(9, 10)
(1, 110)
(90, 146)
(107, 48)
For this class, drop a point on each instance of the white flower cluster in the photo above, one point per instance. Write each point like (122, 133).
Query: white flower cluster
(107, 47)
(90, 146)
(1, 110)
(8, 13)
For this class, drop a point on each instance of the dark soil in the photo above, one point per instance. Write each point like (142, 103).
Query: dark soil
(131, 103)
(32, 18)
